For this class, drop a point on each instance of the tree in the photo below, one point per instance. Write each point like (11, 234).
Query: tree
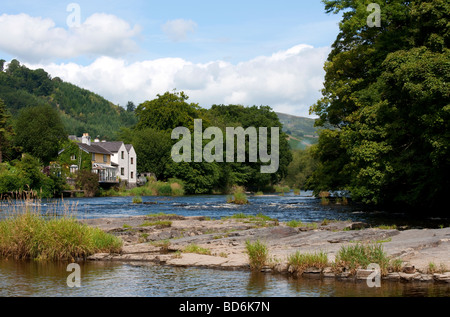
(168, 112)
(40, 132)
(6, 130)
(2, 64)
(153, 148)
(386, 95)
(130, 106)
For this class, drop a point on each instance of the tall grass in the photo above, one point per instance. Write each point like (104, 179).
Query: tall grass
(258, 254)
(302, 261)
(238, 197)
(360, 255)
(28, 234)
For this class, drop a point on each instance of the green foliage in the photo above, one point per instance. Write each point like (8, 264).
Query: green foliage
(301, 169)
(89, 182)
(26, 175)
(168, 112)
(302, 261)
(30, 235)
(258, 254)
(386, 94)
(193, 248)
(6, 131)
(40, 132)
(358, 256)
(153, 148)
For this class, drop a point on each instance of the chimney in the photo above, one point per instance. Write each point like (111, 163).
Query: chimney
(86, 139)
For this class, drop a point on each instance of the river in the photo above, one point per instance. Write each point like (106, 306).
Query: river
(137, 280)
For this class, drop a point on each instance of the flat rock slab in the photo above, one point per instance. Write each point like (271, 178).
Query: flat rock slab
(226, 241)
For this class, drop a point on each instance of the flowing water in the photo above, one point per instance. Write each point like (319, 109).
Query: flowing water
(137, 280)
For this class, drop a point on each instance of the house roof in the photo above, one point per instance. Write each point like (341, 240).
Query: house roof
(128, 147)
(94, 148)
(112, 147)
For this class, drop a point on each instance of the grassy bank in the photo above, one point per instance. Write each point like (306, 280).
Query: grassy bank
(33, 236)
(173, 187)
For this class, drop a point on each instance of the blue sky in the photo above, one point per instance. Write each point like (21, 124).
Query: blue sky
(247, 52)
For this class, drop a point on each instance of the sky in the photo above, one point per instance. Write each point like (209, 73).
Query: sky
(218, 52)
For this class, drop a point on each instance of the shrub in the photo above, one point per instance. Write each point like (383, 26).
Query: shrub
(239, 197)
(137, 200)
(89, 182)
(258, 254)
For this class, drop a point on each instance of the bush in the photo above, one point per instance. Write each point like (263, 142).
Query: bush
(89, 182)
(258, 254)
(239, 197)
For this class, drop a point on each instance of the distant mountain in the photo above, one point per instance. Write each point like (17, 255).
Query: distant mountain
(302, 132)
(81, 110)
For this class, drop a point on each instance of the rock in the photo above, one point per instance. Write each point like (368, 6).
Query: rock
(393, 276)
(358, 226)
(363, 274)
(281, 268)
(409, 269)
(344, 275)
(426, 278)
(266, 269)
(408, 277)
(442, 277)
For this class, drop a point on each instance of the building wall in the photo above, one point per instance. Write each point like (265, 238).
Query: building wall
(132, 169)
(99, 158)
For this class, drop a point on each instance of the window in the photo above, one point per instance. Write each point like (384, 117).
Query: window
(73, 157)
(132, 175)
(123, 155)
(132, 160)
(105, 158)
(93, 156)
(122, 171)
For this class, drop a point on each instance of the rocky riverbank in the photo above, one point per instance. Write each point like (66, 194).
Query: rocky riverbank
(221, 244)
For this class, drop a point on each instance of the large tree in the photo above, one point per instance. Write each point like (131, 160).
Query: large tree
(387, 97)
(40, 132)
(6, 130)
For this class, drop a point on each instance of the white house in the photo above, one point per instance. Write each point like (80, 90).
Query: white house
(125, 157)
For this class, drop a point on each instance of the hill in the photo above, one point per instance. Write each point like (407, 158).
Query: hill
(302, 132)
(80, 110)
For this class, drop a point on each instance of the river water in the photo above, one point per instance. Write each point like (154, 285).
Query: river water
(137, 280)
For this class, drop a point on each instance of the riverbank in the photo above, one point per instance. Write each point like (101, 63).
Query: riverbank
(420, 254)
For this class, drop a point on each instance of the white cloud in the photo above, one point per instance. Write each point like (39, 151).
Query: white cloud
(289, 81)
(177, 30)
(36, 39)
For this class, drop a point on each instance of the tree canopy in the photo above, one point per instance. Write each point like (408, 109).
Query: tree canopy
(386, 94)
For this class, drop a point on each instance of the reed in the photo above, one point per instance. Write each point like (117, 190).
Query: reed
(301, 261)
(361, 255)
(28, 234)
(258, 254)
